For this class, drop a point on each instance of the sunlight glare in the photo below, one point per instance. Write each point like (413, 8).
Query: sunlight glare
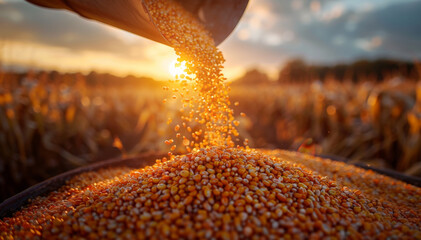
(177, 69)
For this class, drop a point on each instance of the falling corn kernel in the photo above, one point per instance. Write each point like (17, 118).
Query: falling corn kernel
(208, 103)
(186, 142)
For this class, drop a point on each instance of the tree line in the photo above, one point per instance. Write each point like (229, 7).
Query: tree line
(299, 71)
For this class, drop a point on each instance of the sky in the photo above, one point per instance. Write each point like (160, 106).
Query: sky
(270, 33)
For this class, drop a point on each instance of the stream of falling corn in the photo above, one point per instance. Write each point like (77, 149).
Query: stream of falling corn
(218, 190)
(205, 112)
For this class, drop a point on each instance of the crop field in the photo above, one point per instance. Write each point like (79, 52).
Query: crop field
(53, 123)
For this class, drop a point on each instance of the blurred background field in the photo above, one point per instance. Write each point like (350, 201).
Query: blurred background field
(52, 122)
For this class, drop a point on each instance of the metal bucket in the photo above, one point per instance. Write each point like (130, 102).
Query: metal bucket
(219, 16)
(13, 204)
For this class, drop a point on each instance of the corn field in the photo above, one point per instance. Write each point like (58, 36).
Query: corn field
(48, 126)
(378, 124)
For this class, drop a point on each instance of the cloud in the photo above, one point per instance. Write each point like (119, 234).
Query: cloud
(23, 22)
(333, 31)
(398, 25)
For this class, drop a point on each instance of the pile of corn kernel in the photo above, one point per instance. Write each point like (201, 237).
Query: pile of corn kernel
(225, 193)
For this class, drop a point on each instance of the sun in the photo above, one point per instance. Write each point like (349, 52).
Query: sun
(176, 69)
